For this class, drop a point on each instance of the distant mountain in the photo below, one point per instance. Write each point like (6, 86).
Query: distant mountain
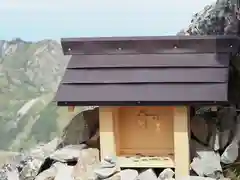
(29, 75)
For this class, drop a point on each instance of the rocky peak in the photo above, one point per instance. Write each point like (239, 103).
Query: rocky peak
(29, 75)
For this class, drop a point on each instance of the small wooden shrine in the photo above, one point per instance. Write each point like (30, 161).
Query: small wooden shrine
(144, 87)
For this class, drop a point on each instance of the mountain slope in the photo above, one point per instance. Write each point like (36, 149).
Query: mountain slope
(29, 75)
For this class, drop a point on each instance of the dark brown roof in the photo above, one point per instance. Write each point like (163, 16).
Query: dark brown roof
(146, 70)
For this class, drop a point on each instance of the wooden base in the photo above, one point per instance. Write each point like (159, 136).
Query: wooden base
(143, 162)
(119, 137)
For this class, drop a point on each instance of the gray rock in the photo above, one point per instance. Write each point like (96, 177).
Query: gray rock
(199, 128)
(230, 154)
(104, 173)
(195, 178)
(68, 153)
(110, 159)
(214, 19)
(64, 172)
(42, 151)
(114, 177)
(147, 175)
(214, 142)
(207, 163)
(226, 118)
(29, 172)
(107, 168)
(166, 174)
(128, 174)
(81, 128)
(94, 141)
(224, 138)
(12, 175)
(49, 173)
(237, 132)
(88, 161)
(107, 164)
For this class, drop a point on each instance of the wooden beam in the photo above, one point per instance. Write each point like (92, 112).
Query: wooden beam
(181, 141)
(71, 108)
(145, 162)
(107, 136)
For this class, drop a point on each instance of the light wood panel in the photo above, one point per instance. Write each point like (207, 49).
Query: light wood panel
(107, 136)
(181, 141)
(140, 134)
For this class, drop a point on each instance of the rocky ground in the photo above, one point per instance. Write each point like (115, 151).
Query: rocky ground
(214, 149)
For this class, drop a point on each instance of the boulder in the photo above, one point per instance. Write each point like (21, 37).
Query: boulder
(206, 162)
(12, 175)
(50, 173)
(230, 154)
(64, 172)
(81, 128)
(147, 175)
(128, 174)
(195, 178)
(30, 171)
(88, 160)
(107, 168)
(166, 174)
(199, 128)
(68, 153)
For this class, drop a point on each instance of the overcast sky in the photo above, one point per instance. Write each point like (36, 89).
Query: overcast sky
(41, 19)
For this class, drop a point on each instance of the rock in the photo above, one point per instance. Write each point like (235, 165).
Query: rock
(116, 177)
(147, 175)
(81, 128)
(224, 138)
(94, 141)
(88, 160)
(226, 118)
(237, 133)
(64, 172)
(68, 153)
(214, 142)
(195, 178)
(230, 154)
(46, 165)
(111, 159)
(104, 173)
(214, 19)
(30, 171)
(107, 168)
(128, 174)
(199, 128)
(12, 175)
(44, 150)
(109, 162)
(207, 163)
(166, 174)
(50, 173)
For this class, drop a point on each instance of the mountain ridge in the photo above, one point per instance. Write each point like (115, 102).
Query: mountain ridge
(29, 76)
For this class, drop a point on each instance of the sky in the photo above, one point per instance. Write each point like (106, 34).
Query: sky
(53, 19)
